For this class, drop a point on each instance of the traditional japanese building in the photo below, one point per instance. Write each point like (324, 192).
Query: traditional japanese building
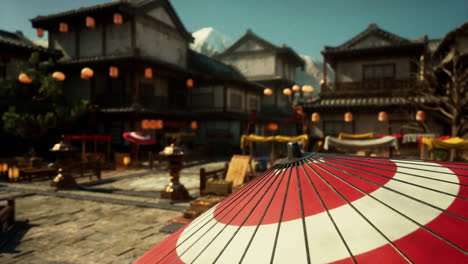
(273, 67)
(374, 72)
(143, 69)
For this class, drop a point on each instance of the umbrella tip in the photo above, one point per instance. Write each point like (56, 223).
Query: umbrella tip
(294, 150)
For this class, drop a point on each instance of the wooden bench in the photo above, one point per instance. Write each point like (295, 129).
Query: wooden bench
(37, 172)
(212, 174)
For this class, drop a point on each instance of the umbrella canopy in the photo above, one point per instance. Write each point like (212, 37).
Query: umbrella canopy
(138, 138)
(323, 208)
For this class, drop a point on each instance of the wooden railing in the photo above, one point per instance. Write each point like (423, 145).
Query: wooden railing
(369, 87)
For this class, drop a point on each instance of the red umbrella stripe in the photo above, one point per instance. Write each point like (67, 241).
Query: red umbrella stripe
(138, 138)
(333, 209)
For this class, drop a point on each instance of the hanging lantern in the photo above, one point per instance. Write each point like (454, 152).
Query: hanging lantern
(90, 22)
(315, 117)
(267, 91)
(348, 117)
(63, 27)
(420, 115)
(126, 160)
(194, 125)
(296, 88)
(287, 91)
(24, 78)
(272, 127)
(144, 124)
(307, 88)
(40, 32)
(148, 73)
(4, 167)
(87, 73)
(383, 116)
(113, 72)
(322, 82)
(118, 19)
(59, 76)
(189, 83)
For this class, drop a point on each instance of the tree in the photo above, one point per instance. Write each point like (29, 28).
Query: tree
(38, 107)
(443, 92)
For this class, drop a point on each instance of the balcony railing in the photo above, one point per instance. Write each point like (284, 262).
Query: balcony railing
(369, 87)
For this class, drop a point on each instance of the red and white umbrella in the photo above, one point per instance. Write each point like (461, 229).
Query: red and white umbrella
(138, 138)
(327, 208)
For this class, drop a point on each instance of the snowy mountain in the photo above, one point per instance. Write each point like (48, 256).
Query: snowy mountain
(209, 41)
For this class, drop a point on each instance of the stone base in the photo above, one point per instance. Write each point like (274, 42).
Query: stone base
(175, 192)
(64, 181)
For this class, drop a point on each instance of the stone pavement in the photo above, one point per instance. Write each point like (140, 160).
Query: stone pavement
(112, 221)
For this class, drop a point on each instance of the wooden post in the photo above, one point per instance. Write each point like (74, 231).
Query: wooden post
(108, 151)
(11, 203)
(95, 146)
(151, 159)
(83, 149)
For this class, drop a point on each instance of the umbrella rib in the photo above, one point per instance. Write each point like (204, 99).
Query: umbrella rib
(208, 217)
(391, 178)
(275, 243)
(360, 213)
(328, 213)
(246, 218)
(400, 193)
(216, 222)
(304, 227)
(392, 208)
(408, 161)
(368, 161)
(261, 219)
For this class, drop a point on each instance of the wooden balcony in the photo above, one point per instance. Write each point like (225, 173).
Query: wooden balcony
(374, 87)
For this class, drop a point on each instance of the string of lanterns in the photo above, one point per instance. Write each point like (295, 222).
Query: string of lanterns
(289, 91)
(381, 117)
(88, 73)
(90, 22)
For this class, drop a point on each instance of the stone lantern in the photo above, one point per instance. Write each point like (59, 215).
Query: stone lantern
(64, 155)
(174, 189)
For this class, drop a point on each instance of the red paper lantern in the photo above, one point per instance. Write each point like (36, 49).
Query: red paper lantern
(189, 83)
(59, 76)
(148, 73)
(113, 72)
(87, 73)
(24, 78)
(40, 32)
(272, 127)
(348, 117)
(90, 22)
(420, 115)
(194, 125)
(267, 91)
(287, 91)
(315, 117)
(63, 27)
(383, 116)
(118, 19)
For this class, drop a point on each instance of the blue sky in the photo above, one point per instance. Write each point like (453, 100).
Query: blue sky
(305, 25)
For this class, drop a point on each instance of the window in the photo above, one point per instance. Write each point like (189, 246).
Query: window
(236, 99)
(253, 103)
(202, 100)
(379, 71)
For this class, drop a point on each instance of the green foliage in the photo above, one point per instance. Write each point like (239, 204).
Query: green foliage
(40, 105)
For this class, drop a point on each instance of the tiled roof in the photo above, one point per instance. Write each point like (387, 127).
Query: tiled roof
(213, 68)
(18, 40)
(362, 101)
(373, 29)
(280, 49)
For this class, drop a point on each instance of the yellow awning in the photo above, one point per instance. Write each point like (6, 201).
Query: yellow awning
(451, 143)
(246, 139)
(356, 136)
